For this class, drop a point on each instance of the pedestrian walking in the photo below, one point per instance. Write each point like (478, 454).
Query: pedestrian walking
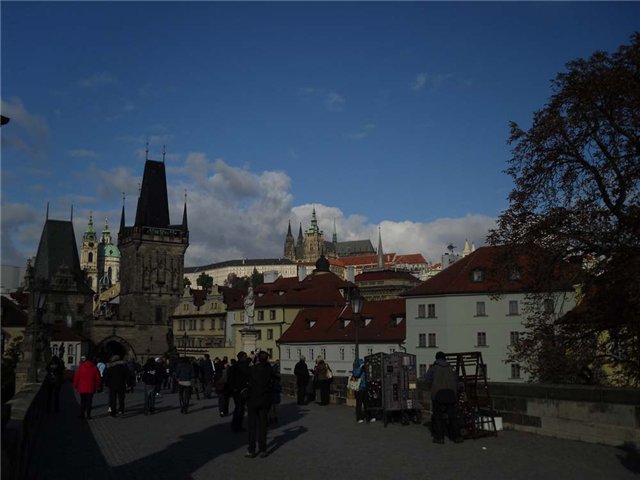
(149, 379)
(117, 377)
(443, 385)
(261, 380)
(86, 381)
(324, 377)
(239, 379)
(184, 377)
(208, 374)
(53, 381)
(222, 388)
(197, 383)
(276, 391)
(360, 372)
(301, 371)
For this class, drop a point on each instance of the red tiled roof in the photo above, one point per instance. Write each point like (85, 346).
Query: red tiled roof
(317, 289)
(457, 278)
(328, 326)
(385, 275)
(412, 258)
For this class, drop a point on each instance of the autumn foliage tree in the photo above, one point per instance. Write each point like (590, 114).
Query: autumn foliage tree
(576, 197)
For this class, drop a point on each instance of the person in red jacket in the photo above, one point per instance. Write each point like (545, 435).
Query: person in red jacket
(87, 381)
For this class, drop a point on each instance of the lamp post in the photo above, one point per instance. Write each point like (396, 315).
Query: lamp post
(356, 307)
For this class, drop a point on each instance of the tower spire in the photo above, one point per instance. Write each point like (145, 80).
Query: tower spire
(164, 152)
(146, 151)
(334, 239)
(122, 216)
(289, 234)
(380, 252)
(184, 213)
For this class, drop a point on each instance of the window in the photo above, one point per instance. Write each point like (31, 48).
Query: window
(353, 353)
(480, 311)
(213, 324)
(431, 310)
(514, 274)
(421, 311)
(323, 352)
(370, 351)
(513, 307)
(432, 340)
(548, 305)
(477, 275)
(272, 314)
(57, 308)
(422, 339)
(482, 339)
(288, 352)
(260, 315)
(259, 335)
(181, 327)
(192, 324)
(392, 350)
(54, 350)
(514, 338)
(90, 257)
(299, 352)
(185, 307)
(70, 360)
(515, 370)
(311, 357)
(269, 333)
(422, 370)
(270, 352)
(202, 324)
(341, 353)
(158, 314)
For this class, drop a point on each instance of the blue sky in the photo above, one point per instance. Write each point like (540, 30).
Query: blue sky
(378, 114)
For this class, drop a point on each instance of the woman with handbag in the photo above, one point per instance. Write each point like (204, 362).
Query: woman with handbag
(360, 375)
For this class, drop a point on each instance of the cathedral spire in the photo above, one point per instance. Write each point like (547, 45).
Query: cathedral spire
(122, 216)
(380, 252)
(289, 234)
(334, 239)
(184, 213)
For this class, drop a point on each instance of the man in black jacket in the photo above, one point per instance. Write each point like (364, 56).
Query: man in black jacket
(238, 377)
(261, 384)
(442, 382)
(301, 371)
(117, 377)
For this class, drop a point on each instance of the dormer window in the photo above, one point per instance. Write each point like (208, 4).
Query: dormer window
(367, 321)
(514, 274)
(310, 323)
(477, 275)
(397, 321)
(345, 322)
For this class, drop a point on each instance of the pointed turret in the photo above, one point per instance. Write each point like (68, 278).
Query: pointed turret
(467, 248)
(289, 234)
(300, 237)
(90, 232)
(153, 203)
(122, 217)
(380, 252)
(185, 225)
(334, 238)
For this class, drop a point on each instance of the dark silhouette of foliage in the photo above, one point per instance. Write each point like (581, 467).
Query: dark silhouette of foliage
(205, 281)
(577, 198)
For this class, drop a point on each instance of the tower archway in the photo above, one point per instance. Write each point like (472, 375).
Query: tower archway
(114, 345)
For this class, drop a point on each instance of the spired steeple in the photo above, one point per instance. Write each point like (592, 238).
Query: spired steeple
(289, 247)
(467, 248)
(185, 226)
(122, 217)
(106, 234)
(153, 203)
(314, 224)
(380, 252)
(90, 232)
(334, 238)
(289, 234)
(300, 237)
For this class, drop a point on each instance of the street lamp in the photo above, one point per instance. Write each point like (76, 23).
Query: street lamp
(356, 307)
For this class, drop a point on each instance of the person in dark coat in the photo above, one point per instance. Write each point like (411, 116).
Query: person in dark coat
(208, 374)
(149, 379)
(184, 377)
(276, 391)
(117, 377)
(53, 381)
(238, 378)
(443, 385)
(86, 381)
(261, 380)
(301, 371)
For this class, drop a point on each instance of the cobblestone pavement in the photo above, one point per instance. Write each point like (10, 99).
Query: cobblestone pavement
(310, 442)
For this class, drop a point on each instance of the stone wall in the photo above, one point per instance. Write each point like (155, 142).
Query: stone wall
(605, 415)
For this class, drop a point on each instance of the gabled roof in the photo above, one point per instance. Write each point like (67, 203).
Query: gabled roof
(317, 289)
(459, 277)
(411, 258)
(328, 324)
(368, 276)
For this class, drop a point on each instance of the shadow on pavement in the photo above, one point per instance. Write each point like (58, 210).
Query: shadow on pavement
(631, 459)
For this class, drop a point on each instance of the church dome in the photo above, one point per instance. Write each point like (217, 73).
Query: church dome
(322, 265)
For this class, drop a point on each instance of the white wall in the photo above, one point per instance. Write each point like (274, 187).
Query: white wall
(456, 326)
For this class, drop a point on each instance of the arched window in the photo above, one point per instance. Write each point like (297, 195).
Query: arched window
(90, 257)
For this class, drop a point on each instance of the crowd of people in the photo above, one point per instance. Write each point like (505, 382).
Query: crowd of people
(250, 380)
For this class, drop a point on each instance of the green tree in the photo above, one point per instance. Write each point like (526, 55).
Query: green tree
(577, 198)
(9, 363)
(205, 281)
(186, 282)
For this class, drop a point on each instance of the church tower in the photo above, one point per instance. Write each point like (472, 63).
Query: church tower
(313, 240)
(108, 259)
(89, 255)
(289, 245)
(151, 268)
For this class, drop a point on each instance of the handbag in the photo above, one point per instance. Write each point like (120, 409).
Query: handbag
(329, 373)
(354, 383)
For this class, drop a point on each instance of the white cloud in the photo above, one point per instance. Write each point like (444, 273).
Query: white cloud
(363, 132)
(419, 81)
(97, 80)
(334, 101)
(81, 153)
(18, 229)
(28, 132)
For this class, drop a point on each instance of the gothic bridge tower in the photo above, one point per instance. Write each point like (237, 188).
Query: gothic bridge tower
(151, 268)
